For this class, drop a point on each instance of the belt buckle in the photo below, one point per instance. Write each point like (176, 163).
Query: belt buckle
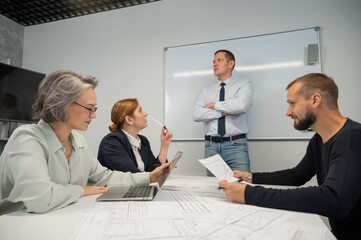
(230, 138)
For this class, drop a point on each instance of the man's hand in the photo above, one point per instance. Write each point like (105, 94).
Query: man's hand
(242, 175)
(157, 173)
(234, 191)
(91, 190)
(211, 105)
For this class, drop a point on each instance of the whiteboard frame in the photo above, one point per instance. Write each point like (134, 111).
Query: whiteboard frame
(316, 29)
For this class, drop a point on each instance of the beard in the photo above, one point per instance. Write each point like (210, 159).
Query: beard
(306, 122)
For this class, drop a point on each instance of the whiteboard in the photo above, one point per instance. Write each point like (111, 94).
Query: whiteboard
(270, 61)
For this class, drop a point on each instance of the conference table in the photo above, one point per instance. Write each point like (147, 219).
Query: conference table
(187, 207)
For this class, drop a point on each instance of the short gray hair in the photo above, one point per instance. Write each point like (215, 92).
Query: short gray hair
(57, 91)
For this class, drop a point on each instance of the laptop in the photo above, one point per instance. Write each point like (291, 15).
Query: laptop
(139, 192)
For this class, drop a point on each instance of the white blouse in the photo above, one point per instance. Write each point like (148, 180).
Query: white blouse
(135, 142)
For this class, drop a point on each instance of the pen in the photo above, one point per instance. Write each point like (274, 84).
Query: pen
(244, 179)
(240, 180)
(159, 123)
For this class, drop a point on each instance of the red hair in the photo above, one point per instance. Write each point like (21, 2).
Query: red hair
(120, 110)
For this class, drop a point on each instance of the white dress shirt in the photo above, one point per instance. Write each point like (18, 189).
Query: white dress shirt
(238, 100)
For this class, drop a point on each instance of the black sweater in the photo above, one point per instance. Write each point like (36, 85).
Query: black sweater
(337, 165)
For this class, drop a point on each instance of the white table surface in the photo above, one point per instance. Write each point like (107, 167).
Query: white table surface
(62, 224)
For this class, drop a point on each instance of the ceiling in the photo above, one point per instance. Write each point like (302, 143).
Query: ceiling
(32, 12)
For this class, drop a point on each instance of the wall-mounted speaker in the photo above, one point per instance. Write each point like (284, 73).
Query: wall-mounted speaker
(312, 54)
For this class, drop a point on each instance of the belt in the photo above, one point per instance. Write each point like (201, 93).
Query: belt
(224, 139)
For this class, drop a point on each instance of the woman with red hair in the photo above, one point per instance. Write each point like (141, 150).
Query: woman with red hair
(124, 149)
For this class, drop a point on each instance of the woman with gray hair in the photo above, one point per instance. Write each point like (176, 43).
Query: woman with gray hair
(47, 166)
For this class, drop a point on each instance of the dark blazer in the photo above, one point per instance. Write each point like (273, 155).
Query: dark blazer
(116, 153)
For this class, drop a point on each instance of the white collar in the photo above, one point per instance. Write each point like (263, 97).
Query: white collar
(133, 141)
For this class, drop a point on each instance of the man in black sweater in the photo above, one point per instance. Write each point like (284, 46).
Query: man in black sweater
(333, 154)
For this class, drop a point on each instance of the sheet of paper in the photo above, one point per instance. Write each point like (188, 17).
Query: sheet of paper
(149, 219)
(219, 168)
(188, 216)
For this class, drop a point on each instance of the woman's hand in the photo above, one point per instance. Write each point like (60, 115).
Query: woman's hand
(91, 190)
(243, 175)
(165, 139)
(165, 136)
(158, 173)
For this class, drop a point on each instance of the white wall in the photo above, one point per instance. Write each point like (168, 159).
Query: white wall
(124, 49)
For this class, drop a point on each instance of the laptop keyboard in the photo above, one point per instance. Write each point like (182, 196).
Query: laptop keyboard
(138, 191)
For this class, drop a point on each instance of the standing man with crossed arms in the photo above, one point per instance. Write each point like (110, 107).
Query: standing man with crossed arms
(223, 108)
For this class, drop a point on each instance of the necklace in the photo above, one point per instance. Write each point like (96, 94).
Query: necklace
(65, 143)
(69, 154)
(68, 149)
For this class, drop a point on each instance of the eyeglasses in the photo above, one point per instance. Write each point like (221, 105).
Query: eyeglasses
(91, 110)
